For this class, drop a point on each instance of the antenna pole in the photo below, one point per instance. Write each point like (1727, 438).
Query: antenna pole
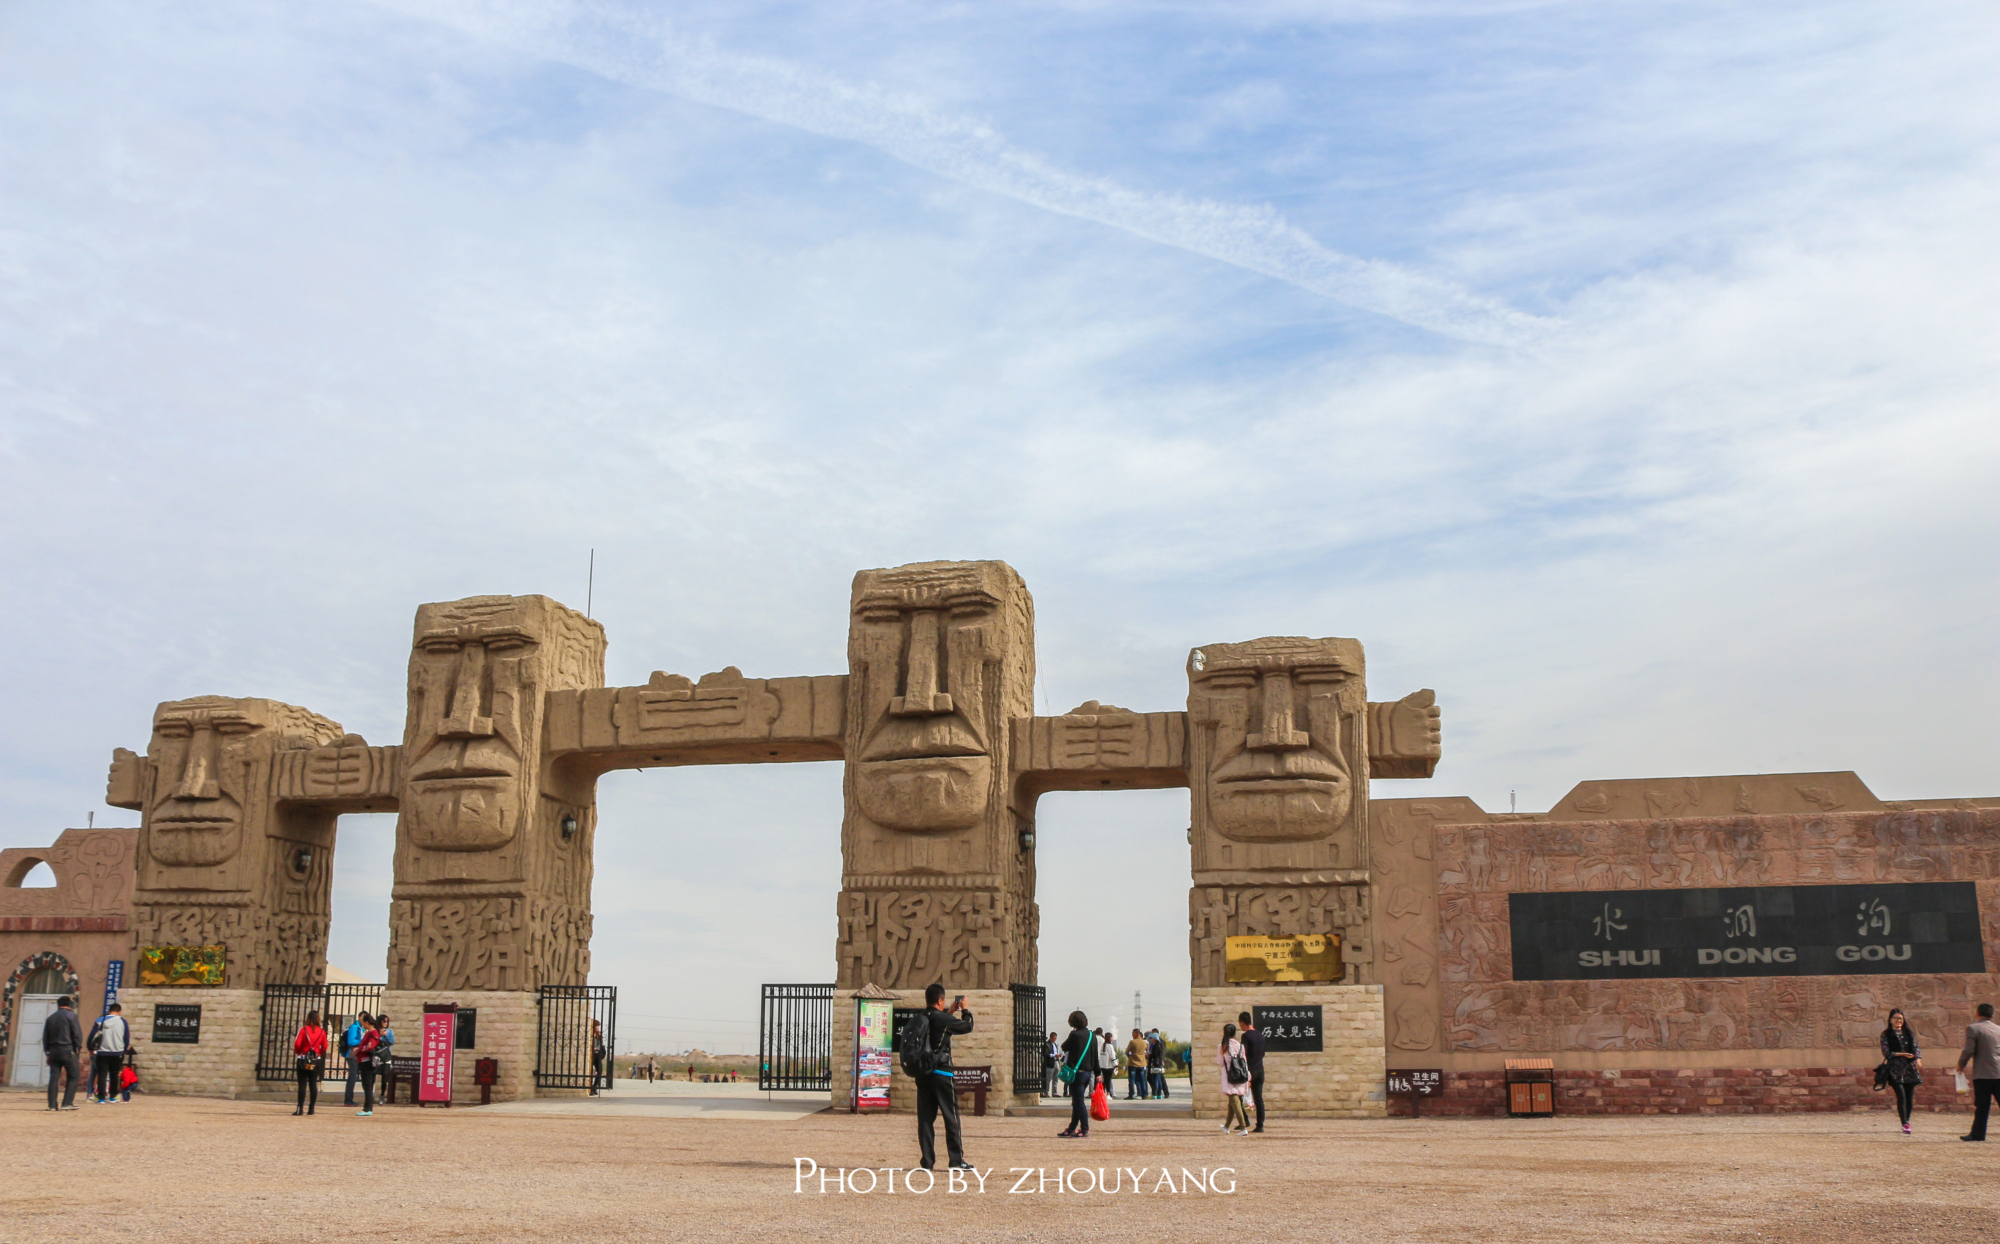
(590, 585)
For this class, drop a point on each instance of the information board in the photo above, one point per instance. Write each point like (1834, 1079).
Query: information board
(873, 1035)
(1804, 930)
(1403, 1082)
(1289, 1029)
(176, 1023)
(438, 1044)
(114, 978)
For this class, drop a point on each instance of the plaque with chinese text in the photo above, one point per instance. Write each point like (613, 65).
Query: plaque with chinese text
(1806, 930)
(177, 1024)
(1308, 957)
(1289, 1029)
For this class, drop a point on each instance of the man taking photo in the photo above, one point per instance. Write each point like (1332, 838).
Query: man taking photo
(937, 1089)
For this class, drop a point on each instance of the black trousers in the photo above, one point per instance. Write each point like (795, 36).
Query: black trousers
(1906, 1098)
(1257, 1096)
(938, 1095)
(63, 1063)
(308, 1087)
(1079, 1102)
(1983, 1093)
(368, 1088)
(104, 1069)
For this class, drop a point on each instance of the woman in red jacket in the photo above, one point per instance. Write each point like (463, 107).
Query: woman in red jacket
(309, 1047)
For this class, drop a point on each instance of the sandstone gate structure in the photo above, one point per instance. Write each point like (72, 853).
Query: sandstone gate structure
(509, 725)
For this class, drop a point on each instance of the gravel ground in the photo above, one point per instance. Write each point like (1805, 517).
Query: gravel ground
(171, 1169)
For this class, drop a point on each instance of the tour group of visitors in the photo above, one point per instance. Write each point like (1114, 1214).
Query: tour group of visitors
(1144, 1059)
(109, 1044)
(367, 1043)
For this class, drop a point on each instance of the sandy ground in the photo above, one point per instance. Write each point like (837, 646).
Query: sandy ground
(172, 1169)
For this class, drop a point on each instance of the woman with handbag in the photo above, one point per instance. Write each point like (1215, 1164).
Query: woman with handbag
(309, 1048)
(1078, 1069)
(1902, 1062)
(364, 1058)
(1235, 1079)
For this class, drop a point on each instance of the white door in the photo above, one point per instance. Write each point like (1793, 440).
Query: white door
(31, 1067)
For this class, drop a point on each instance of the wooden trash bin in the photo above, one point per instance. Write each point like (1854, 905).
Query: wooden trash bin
(1531, 1088)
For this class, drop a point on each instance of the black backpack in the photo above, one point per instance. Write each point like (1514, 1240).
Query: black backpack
(915, 1045)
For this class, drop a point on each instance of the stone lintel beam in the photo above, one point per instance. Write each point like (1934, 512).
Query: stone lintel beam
(1098, 747)
(344, 776)
(1404, 737)
(724, 718)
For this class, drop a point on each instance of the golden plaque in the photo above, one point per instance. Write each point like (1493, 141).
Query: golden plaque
(181, 965)
(1304, 957)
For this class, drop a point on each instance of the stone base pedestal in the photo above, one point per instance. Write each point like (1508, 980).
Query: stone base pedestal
(506, 1030)
(1342, 1082)
(990, 1043)
(222, 1064)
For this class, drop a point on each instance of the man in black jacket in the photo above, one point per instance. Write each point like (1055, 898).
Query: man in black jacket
(937, 1092)
(62, 1040)
(1253, 1054)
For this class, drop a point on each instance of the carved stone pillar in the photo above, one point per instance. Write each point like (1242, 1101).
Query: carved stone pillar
(1278, 766)
(221, 858)
(493, 843)
(936, 885)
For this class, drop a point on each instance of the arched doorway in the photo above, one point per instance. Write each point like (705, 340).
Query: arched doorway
(27, 1001)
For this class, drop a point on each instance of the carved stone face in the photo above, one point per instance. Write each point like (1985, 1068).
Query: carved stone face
(1271, 762)
(475, 699)
(208, 754)
(924, 722)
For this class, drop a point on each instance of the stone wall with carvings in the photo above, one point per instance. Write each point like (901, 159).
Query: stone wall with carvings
(1483, 1011)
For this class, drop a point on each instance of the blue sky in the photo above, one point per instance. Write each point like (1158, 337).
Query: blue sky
(1625, 372)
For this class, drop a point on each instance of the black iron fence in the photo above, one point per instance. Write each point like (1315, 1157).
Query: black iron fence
(795, 1038)
(1031, 1036)
(577, 1046)
(284, 1013)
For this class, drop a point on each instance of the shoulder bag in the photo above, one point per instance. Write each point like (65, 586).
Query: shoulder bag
(1067, 1072)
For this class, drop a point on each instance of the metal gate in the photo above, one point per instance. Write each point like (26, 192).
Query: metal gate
(795, 1039)
(1031, 1037)
(578, 1043)
(284, 1013)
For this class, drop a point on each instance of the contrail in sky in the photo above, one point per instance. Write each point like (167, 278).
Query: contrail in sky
(643, 51)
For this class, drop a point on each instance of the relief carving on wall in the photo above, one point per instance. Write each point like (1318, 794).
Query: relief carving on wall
(1487, 1011)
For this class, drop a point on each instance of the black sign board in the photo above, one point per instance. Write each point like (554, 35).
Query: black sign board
(1802, 930)
(1289, 1029)
(466, 1035)
(177, 1023)
(1407, 1083)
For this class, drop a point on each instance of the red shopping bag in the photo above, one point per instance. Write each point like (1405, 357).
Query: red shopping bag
(1100, 1103)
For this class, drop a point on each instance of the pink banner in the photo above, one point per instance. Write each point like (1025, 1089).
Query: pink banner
(434, 1079)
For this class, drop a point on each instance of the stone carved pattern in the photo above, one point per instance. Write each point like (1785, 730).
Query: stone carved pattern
(1277, 762)
(907, 938)
(493, 844)
(346, 773)
(94, 871)
(496, 942)
(1486, 1011)
(262, 944)
(720, 710)
(223, 855)
(1405, 737)
(1216, 913)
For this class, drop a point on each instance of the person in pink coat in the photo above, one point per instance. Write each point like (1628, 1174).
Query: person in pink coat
(1231, 1050)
